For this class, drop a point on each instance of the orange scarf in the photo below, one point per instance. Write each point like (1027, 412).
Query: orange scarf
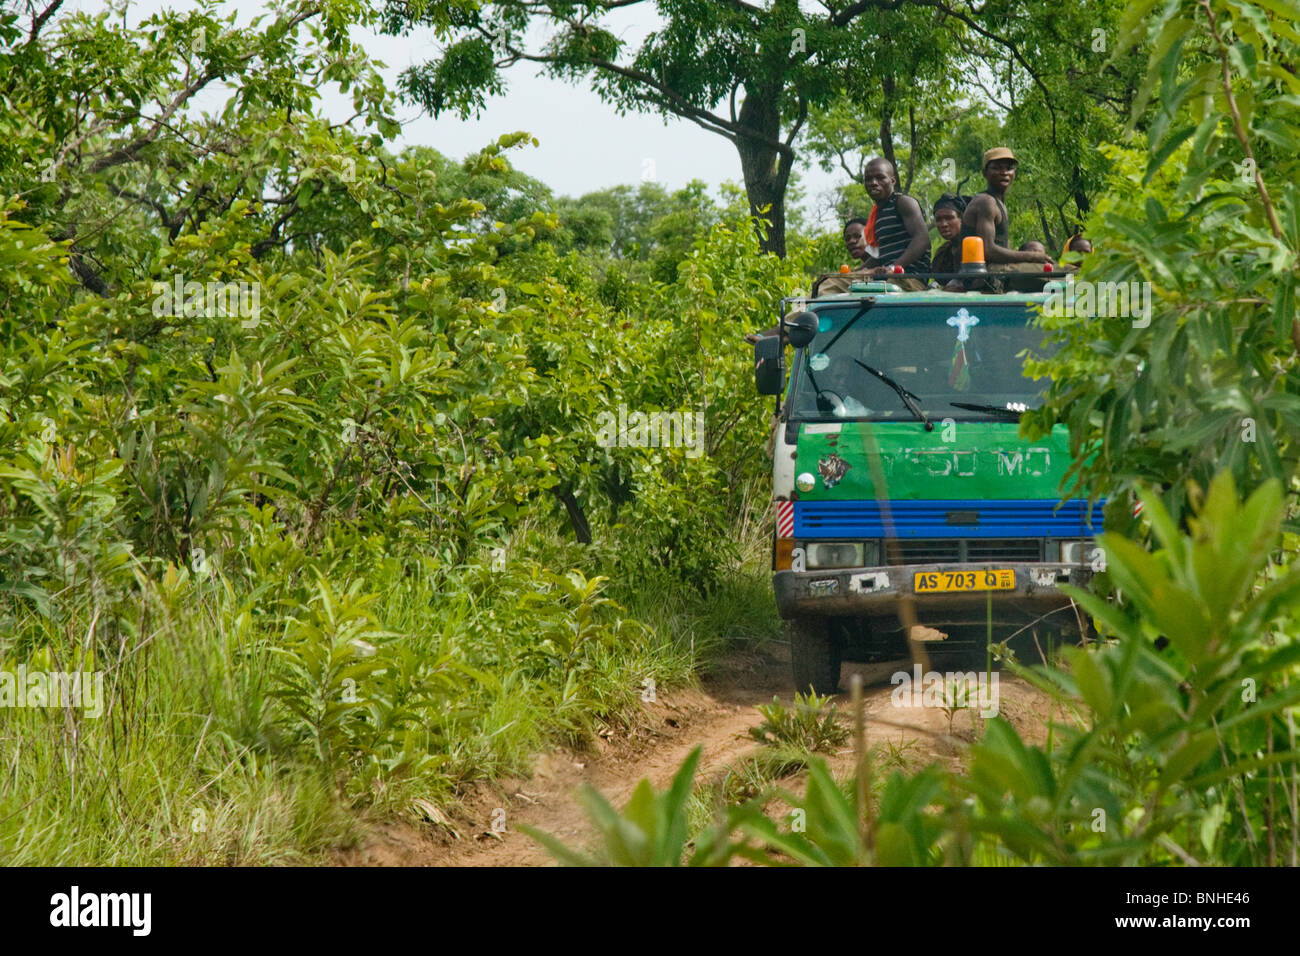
(869, 234)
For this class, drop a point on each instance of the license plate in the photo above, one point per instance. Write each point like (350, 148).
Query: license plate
(935, 582)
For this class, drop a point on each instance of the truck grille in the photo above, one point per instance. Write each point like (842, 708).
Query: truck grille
(938, 551)
(929, 521)
(964, 551)
(1004, 549)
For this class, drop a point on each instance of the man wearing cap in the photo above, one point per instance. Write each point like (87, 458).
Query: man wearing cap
(986, 214)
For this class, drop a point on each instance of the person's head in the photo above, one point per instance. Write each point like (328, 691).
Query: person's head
(947, 215)
(1000, 165)
(880, 178)
(1079, 244)
(1033, 245)
(855, 239)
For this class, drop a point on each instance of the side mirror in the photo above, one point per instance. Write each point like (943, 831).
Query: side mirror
(769, 371)
(800, 328)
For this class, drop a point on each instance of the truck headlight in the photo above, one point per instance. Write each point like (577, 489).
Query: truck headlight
(834, 554)
(1076, 552)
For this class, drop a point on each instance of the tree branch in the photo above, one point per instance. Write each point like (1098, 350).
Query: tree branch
(129, 152)
(911, 146)
(1010, 47)
(855, 9)
(1237, 126)
(798, 124)
(170, 221)
(39, 21)
(679, 106)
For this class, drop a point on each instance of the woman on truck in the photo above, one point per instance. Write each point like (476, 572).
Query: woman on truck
(947, 220)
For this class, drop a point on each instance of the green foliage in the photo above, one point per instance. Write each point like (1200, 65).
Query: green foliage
(867, 66)
(1186, 755)
(1071, 75)
(1204, 210)
(956, 698)
(309, 534)
(833, 829)
(650, 831)
(811, 724)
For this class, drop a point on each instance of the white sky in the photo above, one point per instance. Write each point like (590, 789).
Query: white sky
(585, 144)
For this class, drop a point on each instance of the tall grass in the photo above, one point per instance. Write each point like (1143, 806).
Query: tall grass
(209, 750)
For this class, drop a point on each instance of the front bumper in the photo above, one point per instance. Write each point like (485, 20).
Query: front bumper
(878, 591)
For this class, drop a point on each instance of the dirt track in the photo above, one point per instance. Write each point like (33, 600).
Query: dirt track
(716, 717)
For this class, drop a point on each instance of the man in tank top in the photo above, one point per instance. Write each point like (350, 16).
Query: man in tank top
(986, 214)
(896, 224)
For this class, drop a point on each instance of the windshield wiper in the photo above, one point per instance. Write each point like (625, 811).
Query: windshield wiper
(991, 409)
(817, 389)
(908, 398)
(865, 308)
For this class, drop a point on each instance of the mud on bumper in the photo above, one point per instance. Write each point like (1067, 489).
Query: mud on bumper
(877, 591)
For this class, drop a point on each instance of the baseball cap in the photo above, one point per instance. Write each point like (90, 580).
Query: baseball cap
(999, 152)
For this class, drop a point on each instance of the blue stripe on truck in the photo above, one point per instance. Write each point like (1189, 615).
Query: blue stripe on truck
(981, 518)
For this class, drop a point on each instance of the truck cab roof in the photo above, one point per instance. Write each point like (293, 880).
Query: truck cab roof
(859, 290)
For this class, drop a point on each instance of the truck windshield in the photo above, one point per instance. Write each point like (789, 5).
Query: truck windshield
(969, 353)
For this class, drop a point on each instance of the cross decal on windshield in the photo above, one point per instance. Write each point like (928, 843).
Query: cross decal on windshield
(963, 321)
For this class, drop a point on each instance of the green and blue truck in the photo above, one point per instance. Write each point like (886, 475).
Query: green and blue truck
(903, 495)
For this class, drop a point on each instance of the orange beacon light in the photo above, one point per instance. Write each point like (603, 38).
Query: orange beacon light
(972, 255)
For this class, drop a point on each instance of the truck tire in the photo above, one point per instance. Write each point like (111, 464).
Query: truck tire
(815, 655)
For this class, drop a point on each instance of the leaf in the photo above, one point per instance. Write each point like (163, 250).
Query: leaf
(1167, 147)
(1186, 759)
(555, 847)
(1092, 683)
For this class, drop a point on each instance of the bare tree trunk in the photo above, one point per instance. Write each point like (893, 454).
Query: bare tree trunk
(1052, 244)
(911, 147)
(577, 517)
(766, 176)
(1080, 196)
(886, 119)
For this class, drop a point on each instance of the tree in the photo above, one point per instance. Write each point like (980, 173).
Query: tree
(748, 73)
(1023, 76)
(1053, 73)
(941, 152)
(1199, 222)
(103, 147)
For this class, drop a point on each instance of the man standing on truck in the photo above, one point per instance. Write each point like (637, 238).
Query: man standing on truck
(1033, 245)
(986, 215)
(855, 244)
(859, 246)
(896, 225)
